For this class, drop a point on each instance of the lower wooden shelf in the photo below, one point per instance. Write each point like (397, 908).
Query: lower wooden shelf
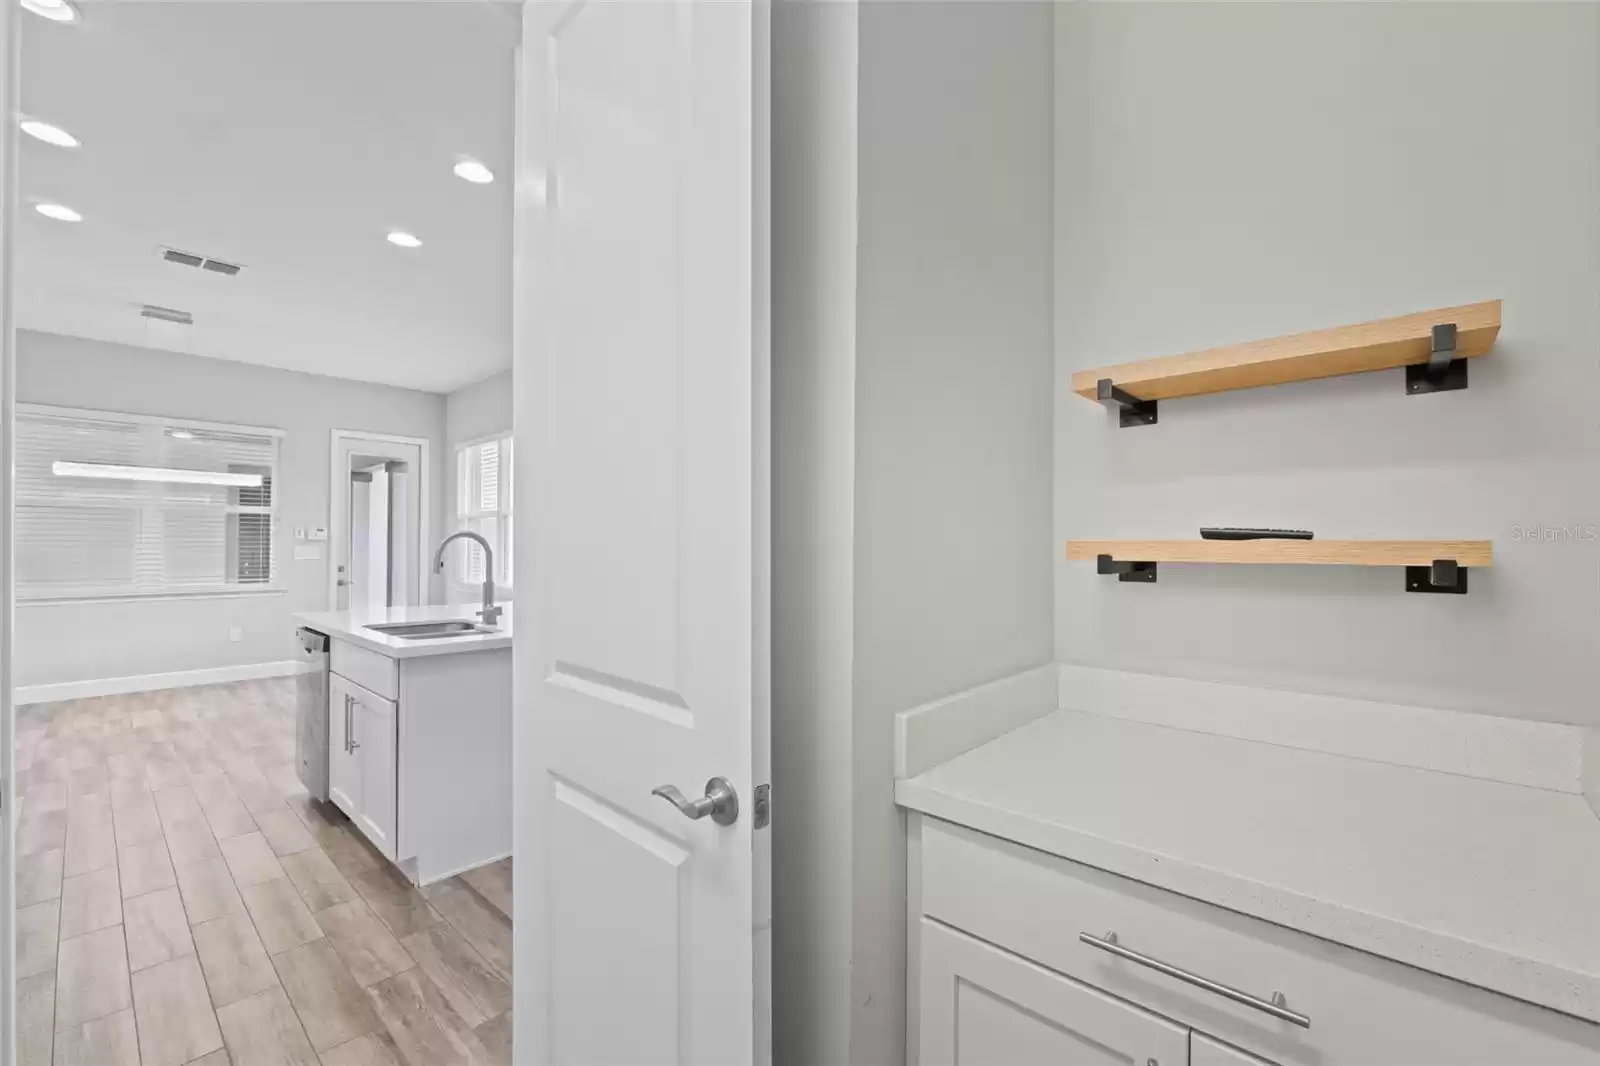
(1431, 565)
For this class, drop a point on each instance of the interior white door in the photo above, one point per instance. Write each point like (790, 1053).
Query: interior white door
(407, 544)
(641, 379)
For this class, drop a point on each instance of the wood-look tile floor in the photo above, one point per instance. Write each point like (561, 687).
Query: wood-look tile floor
(181, 900)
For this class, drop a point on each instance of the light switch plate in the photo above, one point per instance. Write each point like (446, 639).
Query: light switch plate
(308, 551)
(299, 532)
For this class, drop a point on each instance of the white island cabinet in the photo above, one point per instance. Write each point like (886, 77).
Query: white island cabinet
(419, 738)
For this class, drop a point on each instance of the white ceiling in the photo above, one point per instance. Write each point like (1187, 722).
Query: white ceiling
(289, 137)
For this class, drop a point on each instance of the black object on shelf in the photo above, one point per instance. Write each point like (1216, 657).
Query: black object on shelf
(1443, 372)
(1245, 533)
(1132, 410)
(1445, 576)
(1144, 573)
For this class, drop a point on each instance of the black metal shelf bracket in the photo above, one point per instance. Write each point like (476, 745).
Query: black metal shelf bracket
(1132, 411)
(1145, 573)
(1443, 372)
(1445, 576)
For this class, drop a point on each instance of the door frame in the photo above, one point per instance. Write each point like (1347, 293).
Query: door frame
(10, 55)
(338, 500)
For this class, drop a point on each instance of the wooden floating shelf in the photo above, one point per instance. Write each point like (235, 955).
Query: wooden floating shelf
(1385, 344)
(1431, 565)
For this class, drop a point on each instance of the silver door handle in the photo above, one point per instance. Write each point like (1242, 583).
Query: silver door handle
(1277, 1006)
(720, 801)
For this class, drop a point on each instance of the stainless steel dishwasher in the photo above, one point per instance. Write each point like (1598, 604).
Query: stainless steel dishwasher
(311, 731)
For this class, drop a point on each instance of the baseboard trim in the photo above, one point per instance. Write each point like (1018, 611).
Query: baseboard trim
(937, 732)
(1516, 751)
(116, 686)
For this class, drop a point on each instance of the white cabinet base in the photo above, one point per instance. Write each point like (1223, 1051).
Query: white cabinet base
(426, 777)
(1017, 914)
(987, 1007)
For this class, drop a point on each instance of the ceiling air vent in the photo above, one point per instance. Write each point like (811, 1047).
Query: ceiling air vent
(190, 259)
(166, 314)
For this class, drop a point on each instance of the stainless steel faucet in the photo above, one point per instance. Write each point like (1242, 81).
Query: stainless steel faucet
(490, 613)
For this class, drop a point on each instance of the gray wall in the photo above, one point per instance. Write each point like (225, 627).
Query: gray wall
(813, 524)
(912, 386)
(87, 641)
(1230, 172)
(479, 410)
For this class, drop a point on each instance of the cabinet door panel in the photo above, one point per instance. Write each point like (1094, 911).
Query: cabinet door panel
(1204, 1051)
(344, 767)
(982, 1006)
(375, 733)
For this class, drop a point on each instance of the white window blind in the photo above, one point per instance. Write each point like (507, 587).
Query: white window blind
(483, 505)
(100, 536)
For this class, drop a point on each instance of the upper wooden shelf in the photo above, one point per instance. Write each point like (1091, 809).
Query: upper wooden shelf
(1381, 345)
(1291, 552)
(1431, 565)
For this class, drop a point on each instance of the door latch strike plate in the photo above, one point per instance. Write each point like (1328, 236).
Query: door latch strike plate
(763, 805)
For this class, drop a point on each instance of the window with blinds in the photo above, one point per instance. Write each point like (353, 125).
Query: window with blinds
(111, 505)
(483, 505)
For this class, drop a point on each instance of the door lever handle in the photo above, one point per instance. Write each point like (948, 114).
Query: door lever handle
(720, 801)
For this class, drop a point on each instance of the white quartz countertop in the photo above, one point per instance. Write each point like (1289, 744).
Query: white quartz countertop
(351, 626)
(1494, 884)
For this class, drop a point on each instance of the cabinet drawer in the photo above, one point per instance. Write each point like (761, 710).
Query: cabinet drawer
(982, 1006)
(1363, 1009)
(367, 668)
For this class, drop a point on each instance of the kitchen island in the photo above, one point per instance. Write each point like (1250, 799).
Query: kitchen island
(419, 733)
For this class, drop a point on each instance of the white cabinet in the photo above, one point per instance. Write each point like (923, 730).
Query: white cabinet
(361, 760)
(344, 768)
(374, 741)
(986, 1007)
(422, 764)
(1204, 1051)
(1000, 971)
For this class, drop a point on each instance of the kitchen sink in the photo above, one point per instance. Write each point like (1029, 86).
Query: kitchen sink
(431, 630)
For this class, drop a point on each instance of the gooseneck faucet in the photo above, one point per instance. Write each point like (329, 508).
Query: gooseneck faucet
(490, 613)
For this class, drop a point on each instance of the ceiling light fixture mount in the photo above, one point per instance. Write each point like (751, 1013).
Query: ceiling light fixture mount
(54, 10)
(59, 212)
(474, 171)
(43, 131)
(403, 239)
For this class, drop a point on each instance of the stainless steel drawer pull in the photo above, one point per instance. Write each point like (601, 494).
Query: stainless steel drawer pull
(1276, 1006)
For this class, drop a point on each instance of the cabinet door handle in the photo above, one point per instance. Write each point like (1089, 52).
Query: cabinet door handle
(1276, 1006)
(350, 744)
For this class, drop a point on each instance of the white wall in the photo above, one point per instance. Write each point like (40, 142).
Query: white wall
(912, 384)
(89, 641)
(1228, 172)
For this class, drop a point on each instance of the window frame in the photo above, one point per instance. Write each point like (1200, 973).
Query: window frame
(460, 584)
(274, 585)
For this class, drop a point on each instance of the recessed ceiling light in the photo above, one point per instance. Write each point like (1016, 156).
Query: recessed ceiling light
(474, 171)
(43, 131)
(182, 434)
(59, 212)
(54, 10)
(404, 240)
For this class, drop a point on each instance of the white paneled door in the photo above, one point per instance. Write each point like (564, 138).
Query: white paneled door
(641, 377)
